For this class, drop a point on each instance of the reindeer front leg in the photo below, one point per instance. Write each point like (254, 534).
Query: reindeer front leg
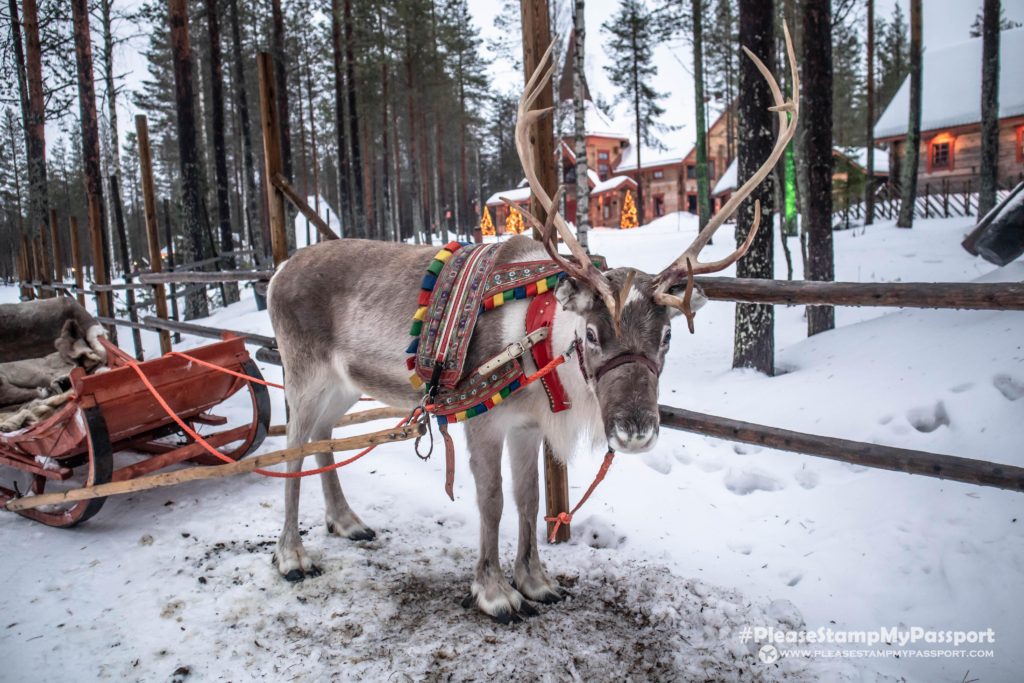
(490, 589)
(528, 575)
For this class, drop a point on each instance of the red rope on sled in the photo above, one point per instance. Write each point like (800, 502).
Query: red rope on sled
(220, 456)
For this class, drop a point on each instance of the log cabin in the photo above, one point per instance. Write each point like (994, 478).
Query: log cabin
(950, 147)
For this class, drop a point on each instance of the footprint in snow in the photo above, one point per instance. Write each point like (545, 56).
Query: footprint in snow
(791, 577)
(741, 548)
(657, 461)
(1012, 389)
(927, 420)
(961, 388)
(745, 483)
(807, 479)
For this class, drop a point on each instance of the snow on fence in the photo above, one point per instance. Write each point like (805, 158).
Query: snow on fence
(942, 200)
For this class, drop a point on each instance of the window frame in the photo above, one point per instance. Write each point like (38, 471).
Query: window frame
(933, 145)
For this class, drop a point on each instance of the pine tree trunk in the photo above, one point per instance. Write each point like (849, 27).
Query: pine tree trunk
(220, 155)
(911, 150)
(580, 126)
(754, 341)
(346, 201)
(35, 151)
(188, 153)
(869, 183)
(91, 154)
(641, 207)
(281, 77)
(353, 121)
(703, 184)
(817, 113)
(260, 241)
(989, 181)
(413, 146)
(385, 181)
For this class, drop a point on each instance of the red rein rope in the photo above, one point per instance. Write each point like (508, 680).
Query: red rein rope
(558, 520)
(217, 454)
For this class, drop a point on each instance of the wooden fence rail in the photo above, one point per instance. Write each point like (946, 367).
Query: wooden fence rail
(967, 470)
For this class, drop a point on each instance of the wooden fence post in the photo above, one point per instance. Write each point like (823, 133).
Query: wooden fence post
(76, 261)
(272, 161)
(536, 38)
(152, 237)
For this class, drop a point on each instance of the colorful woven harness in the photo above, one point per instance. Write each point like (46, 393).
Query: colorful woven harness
(460, 284)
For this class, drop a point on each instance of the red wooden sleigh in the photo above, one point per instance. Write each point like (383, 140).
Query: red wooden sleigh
(113, 412)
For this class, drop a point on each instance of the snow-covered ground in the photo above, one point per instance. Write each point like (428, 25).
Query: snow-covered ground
(673, 556)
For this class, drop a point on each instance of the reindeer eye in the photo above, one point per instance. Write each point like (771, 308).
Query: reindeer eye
(591, 336)
(667, 338)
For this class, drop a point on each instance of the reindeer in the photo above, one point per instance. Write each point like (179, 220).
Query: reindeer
(340, 310)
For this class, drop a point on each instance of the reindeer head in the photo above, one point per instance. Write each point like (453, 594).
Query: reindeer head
(626, 313)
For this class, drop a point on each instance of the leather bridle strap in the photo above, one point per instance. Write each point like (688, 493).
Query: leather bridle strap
(624, 359)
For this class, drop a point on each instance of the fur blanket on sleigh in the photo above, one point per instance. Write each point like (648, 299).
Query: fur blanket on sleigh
(43, 341)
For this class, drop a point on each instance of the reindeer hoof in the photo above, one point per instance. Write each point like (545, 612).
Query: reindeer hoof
(355, 532)
(295, 576)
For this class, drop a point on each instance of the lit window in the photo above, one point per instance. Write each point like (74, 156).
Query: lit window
(607, 211)
(940, 156)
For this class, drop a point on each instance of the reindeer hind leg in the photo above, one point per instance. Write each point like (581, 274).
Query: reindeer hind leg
(340, 518)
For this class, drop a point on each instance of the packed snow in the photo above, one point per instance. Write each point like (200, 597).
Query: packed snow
(676, 553)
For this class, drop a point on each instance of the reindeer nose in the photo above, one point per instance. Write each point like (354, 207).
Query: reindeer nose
(633, 438)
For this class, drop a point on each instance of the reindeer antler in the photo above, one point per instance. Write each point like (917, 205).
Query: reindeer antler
(687, 265)
(583, 269)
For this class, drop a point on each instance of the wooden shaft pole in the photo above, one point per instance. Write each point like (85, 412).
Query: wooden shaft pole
(352, 419)
(273, 162)
(76, 260)
(967, 470)
(152, 235)
(215, 472)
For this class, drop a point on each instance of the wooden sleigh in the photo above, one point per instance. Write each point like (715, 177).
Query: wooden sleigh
(113, 411)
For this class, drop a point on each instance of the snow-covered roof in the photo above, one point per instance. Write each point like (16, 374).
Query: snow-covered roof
(727, 183)
(951, 87)
(859, 156)
(613, 183)
(596, 122)
(519, 194)
(650, 158)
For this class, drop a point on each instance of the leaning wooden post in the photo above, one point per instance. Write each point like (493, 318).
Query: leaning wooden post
(536, 38)
(273, 164)
(169, 239)
(152, 237)
(58, 261)
(76, 261)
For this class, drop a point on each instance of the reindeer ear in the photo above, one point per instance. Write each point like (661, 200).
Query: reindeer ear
(574, 295)
(697, 299)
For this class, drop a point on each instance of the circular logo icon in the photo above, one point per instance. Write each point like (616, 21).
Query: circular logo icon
(769, 654)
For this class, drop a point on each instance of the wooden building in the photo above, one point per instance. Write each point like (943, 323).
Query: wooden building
(950, 148)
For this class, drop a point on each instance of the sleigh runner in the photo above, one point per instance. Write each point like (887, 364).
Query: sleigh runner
(113, 411)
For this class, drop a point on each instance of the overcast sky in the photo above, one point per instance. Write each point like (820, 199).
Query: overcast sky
(945, 22)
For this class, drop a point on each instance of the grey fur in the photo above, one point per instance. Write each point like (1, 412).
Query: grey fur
(341, 311)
